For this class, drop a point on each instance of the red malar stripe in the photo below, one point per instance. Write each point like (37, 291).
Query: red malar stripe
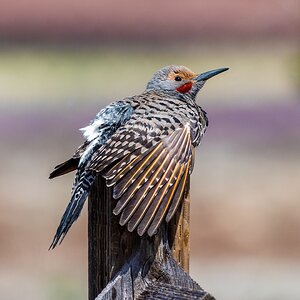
(185, 87)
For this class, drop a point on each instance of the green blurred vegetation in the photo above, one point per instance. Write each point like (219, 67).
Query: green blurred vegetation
(49, 75)
(295, 67)
(64, 288)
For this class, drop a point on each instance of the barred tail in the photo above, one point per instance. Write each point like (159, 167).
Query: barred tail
(72, 212)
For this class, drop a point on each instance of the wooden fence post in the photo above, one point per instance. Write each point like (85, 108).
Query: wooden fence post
(123, 265)
(179, 232)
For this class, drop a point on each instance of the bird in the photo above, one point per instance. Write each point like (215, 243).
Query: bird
(143, 146)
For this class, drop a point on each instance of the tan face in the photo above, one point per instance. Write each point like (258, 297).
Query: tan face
(175, 80)
(184, 75)
(183, 79)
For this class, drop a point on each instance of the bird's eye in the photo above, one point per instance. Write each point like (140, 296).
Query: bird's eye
(178, 78)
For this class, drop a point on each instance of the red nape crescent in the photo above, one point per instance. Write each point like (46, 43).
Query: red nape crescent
(185, 87)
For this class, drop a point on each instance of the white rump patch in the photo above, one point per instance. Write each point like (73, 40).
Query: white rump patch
(90, 132)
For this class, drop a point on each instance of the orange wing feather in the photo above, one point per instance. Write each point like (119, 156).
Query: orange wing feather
(150, 184)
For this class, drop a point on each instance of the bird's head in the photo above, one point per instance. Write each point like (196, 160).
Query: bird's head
(180, 81)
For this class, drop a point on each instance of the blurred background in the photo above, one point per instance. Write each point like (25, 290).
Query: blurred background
(62, 61)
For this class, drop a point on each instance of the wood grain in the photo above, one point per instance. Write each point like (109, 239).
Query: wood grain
(123, 265)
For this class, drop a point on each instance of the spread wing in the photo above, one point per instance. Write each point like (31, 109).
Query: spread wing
(148, 176)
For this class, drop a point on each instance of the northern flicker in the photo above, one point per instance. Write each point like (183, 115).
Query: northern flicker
(144, 147)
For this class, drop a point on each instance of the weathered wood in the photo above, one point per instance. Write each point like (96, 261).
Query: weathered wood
(110, 244)
(179, 232)
(153, 277)
(123, 265)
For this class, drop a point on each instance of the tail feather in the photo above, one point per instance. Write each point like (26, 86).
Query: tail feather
(74, 207)
(65, 167)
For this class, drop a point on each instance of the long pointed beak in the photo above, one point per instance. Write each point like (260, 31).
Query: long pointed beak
(210, 74)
